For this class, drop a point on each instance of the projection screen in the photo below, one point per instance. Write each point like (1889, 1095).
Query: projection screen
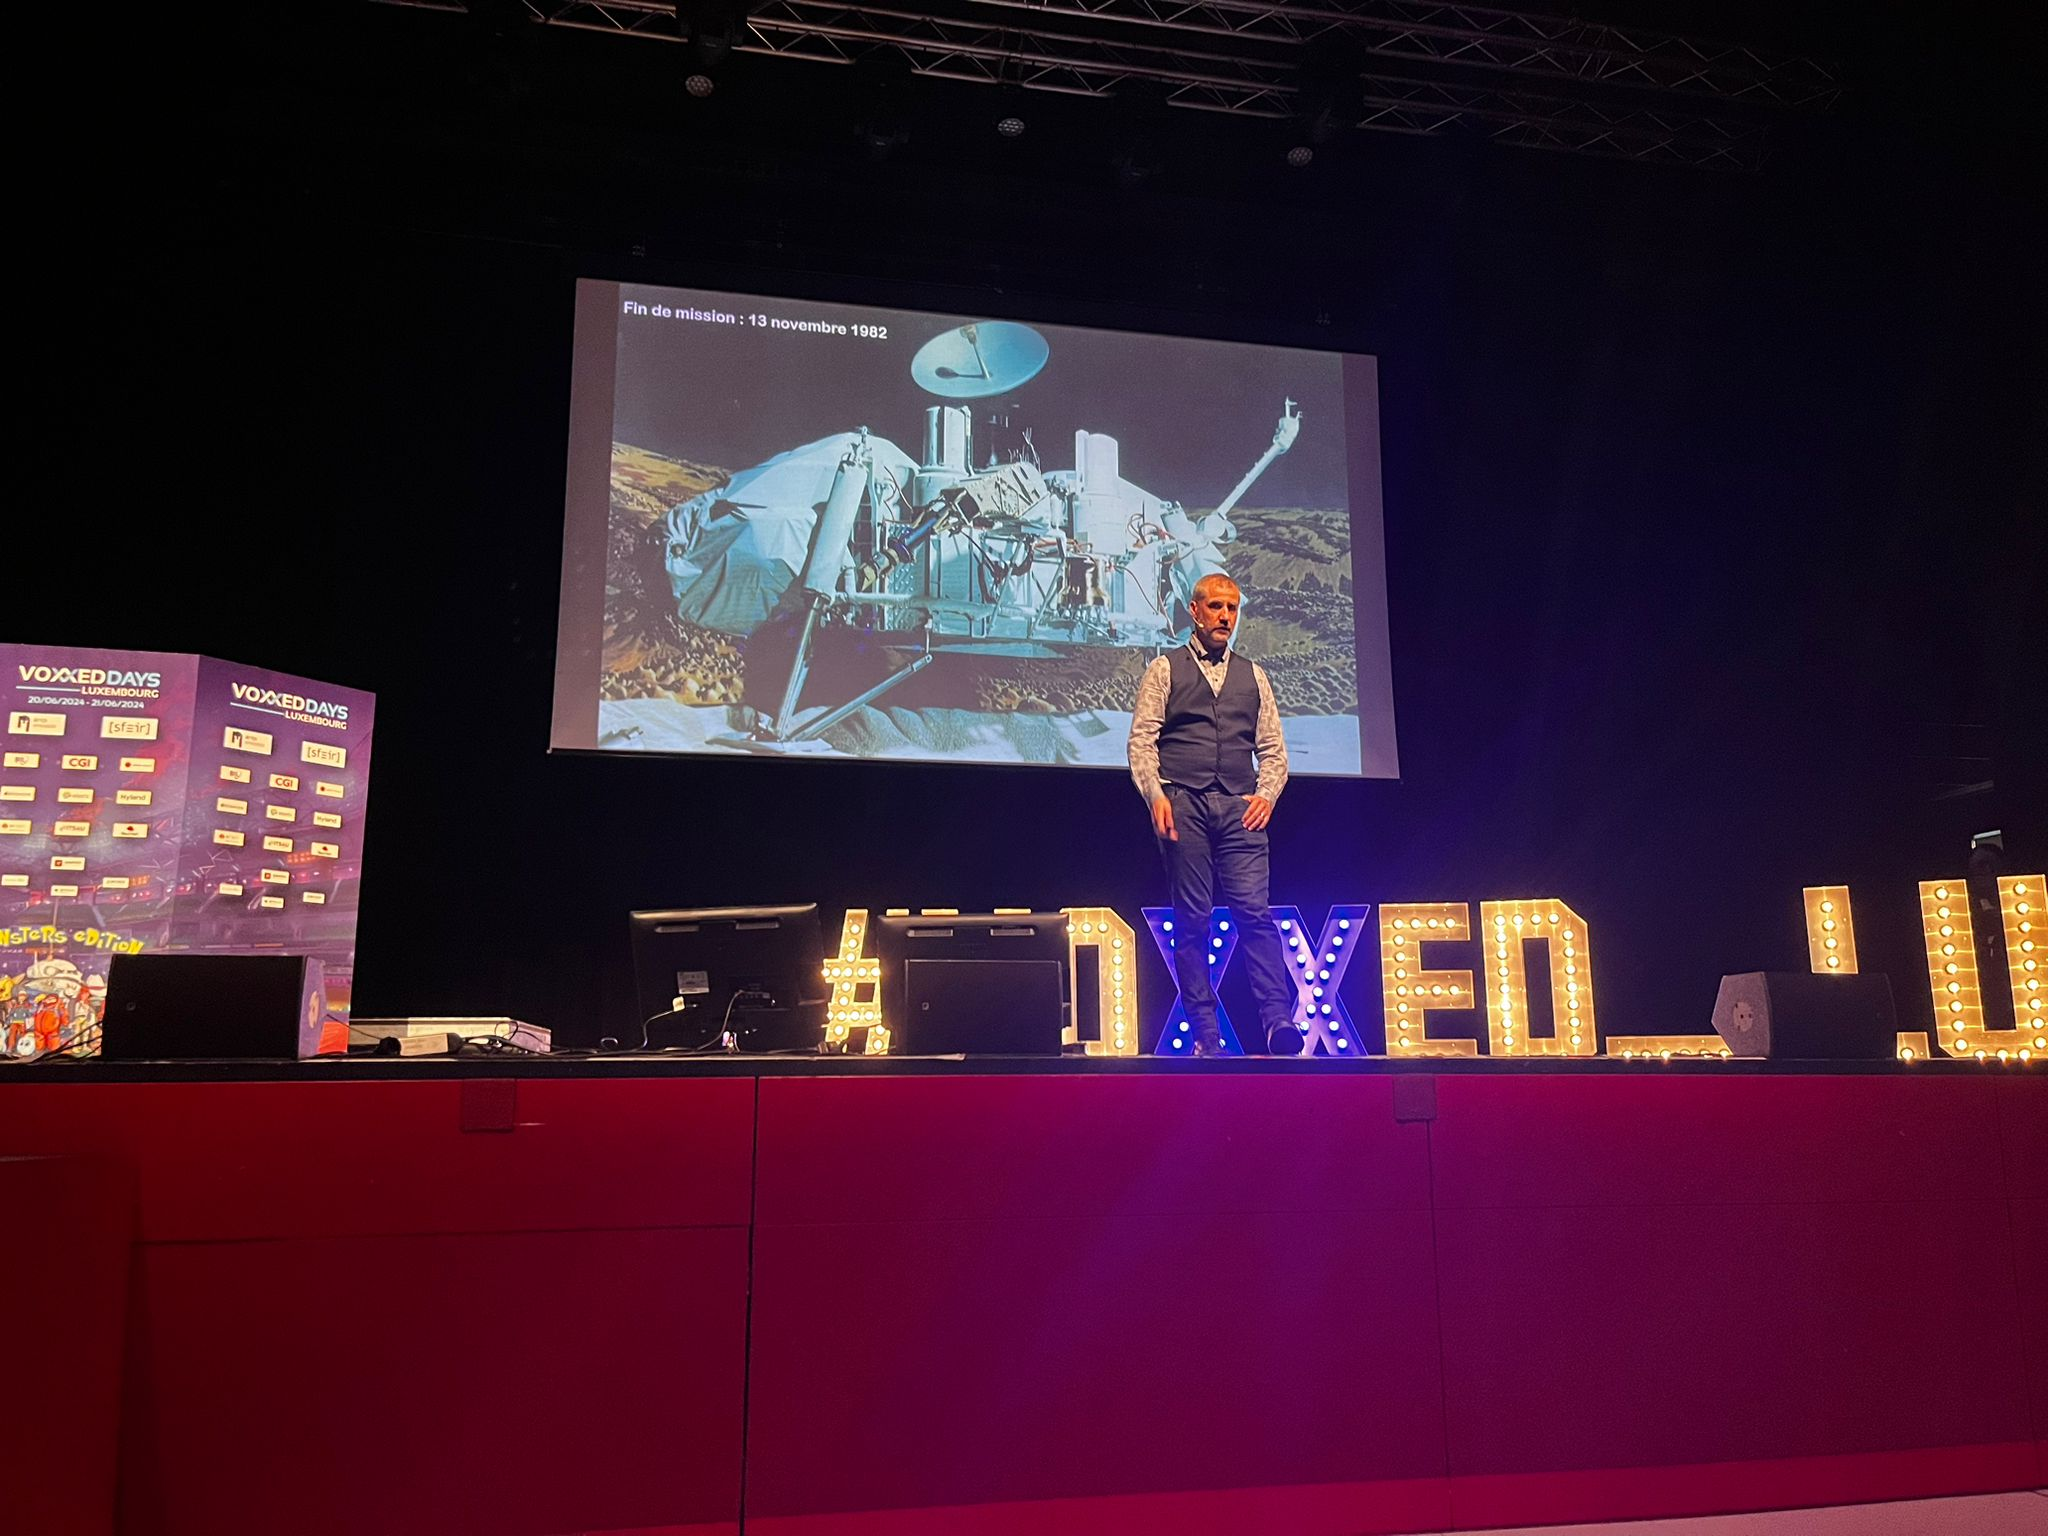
(818, 530)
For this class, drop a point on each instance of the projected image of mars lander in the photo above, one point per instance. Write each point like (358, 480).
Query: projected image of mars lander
(848, 547)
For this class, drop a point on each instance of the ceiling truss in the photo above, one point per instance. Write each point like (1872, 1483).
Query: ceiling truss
(1534, 81)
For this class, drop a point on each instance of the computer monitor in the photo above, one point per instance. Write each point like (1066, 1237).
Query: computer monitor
(757, 971)
(974, 984)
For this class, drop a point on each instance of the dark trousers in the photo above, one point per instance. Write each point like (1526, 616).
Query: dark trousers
(1218, 862)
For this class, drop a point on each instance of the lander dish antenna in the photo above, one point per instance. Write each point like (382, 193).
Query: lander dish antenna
(985, 358)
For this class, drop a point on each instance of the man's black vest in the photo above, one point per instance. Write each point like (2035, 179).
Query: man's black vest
(1206, 741)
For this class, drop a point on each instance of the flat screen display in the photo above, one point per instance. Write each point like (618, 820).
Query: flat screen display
(817, 530)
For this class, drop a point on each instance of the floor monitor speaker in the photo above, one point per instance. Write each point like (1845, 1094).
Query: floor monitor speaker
(1798, 1016)
(166, 1007)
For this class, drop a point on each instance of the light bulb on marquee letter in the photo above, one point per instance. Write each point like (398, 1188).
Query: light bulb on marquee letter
(1412, 993)
(1116, 979)
(1504, 927)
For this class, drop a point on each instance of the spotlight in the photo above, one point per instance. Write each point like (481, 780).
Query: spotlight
(503, 59)
(882, 79)
(1008, 111)
(1328, 98)
(709, 30)
(1142, 129)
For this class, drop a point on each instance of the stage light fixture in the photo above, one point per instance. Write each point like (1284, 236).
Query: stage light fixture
(1830, 930)
(1504, 926)
(1405, 983)
(882, 77)
(1011, 126)
(1141, 131)
(1329, 96)
(709, 31)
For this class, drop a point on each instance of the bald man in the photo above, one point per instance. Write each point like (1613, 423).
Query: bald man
(1208, 755)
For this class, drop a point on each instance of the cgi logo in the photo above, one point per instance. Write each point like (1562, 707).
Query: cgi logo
(295, 703)
(89, 677)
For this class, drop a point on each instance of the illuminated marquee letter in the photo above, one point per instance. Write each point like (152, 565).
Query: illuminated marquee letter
(1411, 992)
(850, 976)
(1830, 930)
(1951, 944)
(1505, 926)
(1317, 971)
(1176, 1039)
(1116, 978)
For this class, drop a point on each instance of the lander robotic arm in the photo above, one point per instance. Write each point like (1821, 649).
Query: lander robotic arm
(1283, 439)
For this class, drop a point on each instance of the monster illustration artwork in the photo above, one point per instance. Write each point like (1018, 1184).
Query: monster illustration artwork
(50, 1006)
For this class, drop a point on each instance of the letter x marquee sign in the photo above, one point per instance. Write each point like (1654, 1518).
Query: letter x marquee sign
(1317, 971)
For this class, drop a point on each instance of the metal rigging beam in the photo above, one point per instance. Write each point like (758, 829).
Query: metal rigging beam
(1601, 90)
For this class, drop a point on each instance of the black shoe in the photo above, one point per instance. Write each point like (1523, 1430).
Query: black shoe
(1209, 1046)
(1284, 1040)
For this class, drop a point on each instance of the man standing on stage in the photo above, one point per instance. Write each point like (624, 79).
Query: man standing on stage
(1208, 756)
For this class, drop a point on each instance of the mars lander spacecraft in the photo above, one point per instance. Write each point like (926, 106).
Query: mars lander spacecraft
(973, 547)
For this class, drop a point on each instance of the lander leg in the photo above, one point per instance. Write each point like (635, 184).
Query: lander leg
(832, 717)
(822, 565)
(799, 668)
(818, 583)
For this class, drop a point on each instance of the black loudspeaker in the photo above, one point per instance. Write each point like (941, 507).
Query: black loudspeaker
(1797, 1016)
(983, 1007)
(991, 983)
(166, 1007)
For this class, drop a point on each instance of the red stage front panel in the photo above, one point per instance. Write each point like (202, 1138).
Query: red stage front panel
(515, 1384)
(1661, 1273)
(1091, 1303)
(227, 1161)
(1009, 1290)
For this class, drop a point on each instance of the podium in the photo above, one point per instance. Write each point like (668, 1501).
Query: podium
(160, 802)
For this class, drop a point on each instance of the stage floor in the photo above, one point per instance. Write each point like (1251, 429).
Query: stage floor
(1997, 1514)
(624, 1064)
